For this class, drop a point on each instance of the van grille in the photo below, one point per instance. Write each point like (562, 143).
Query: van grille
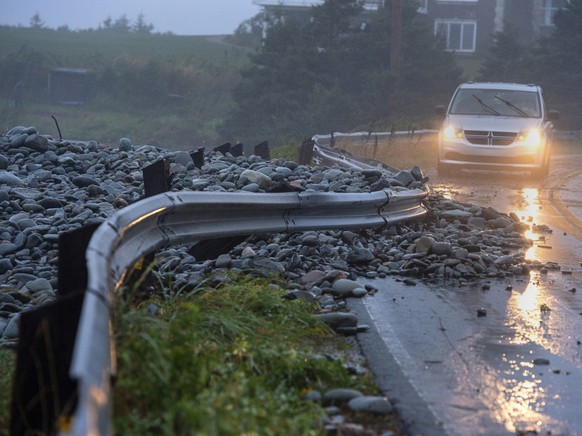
(485, 137)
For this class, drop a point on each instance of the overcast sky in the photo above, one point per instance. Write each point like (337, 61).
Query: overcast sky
(182, 17)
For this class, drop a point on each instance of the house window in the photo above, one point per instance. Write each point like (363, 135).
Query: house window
(459, 35)
(422, 7)
(549, 8)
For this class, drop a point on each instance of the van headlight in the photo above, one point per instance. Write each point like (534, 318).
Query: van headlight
(452, 132)
(532, 138)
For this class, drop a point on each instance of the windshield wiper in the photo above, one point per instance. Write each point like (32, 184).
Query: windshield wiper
(520, 111)
(486, 106)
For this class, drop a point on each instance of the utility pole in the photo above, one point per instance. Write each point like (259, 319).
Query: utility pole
(395, 37)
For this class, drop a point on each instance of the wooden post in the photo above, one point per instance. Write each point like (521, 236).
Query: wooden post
(395, 37)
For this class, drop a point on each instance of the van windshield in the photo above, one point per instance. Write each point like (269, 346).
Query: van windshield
(497, 102)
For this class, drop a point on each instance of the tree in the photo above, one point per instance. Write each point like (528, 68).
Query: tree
(107, 23)
(141, 26)
(556, 63)
(428, 73)
(274, 88)
(505, 59)
(332, 73)
(36, 22)
(250, 32)
(121, 25)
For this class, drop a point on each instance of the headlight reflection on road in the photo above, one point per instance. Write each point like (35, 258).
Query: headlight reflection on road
(527, 315)
(521, 400)
(522, 397)
(528, 210)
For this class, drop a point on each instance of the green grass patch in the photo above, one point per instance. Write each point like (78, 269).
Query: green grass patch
(228, 361)
(173, 130)
(471, 65)
(175, 90)
(8, 364)
(84, 47)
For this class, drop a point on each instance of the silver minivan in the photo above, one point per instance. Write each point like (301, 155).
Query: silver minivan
(496, 126)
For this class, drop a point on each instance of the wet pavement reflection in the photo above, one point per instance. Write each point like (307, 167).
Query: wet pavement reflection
(519, 369)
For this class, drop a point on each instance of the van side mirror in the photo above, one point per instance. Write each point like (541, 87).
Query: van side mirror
(553, 115)
(440, 110)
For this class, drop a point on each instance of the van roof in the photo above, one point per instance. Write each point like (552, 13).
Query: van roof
(500, 85)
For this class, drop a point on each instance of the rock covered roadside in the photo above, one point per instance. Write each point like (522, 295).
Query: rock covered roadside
(48, 187)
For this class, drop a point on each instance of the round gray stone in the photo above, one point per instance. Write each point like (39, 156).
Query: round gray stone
(39, 285)
(370, 404)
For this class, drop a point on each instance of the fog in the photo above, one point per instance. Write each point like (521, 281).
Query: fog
(181, 17)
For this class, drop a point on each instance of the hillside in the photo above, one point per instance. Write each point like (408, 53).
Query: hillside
(166, 88)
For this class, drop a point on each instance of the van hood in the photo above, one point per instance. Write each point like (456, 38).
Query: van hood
(493, 123)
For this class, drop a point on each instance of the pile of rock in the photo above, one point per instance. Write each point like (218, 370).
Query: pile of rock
(48, 187)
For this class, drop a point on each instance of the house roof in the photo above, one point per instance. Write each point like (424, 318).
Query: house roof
(300, 4)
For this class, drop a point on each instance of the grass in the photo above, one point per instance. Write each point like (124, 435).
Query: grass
(89, 45)
(171, 129)
(131, 81)
(228, 361)
(8, 365)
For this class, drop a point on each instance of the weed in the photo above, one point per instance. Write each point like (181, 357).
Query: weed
(234, 360)
(8, 364)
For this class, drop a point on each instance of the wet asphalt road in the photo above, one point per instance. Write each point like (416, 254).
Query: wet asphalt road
(517, 369)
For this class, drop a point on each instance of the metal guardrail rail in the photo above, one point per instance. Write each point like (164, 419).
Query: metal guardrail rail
(327, 140)
(324, 150)
(180, 217)
(330, 156)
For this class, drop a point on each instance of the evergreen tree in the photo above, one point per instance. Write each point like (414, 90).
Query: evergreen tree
(504, 62)
(107, 23)
(250, 32)
(332, 73)
(556, 63)
(36, 22)
(141, 26)
(121, 25)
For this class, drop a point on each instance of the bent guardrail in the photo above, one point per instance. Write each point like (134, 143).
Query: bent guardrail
(174, 218)
(66, 357)
(326, 149)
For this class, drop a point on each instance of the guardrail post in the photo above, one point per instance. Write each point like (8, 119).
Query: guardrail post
(72, 268)
(263, 151)
(306, 151)
(43, 394)
(198, 157)
(156, 180)
(212, 248)
(237, 150)
(224, 148)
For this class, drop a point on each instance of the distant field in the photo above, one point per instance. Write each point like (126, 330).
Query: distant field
(90, 44)
(203, 70)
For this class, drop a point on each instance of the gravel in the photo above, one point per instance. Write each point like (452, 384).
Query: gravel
(48, 187)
